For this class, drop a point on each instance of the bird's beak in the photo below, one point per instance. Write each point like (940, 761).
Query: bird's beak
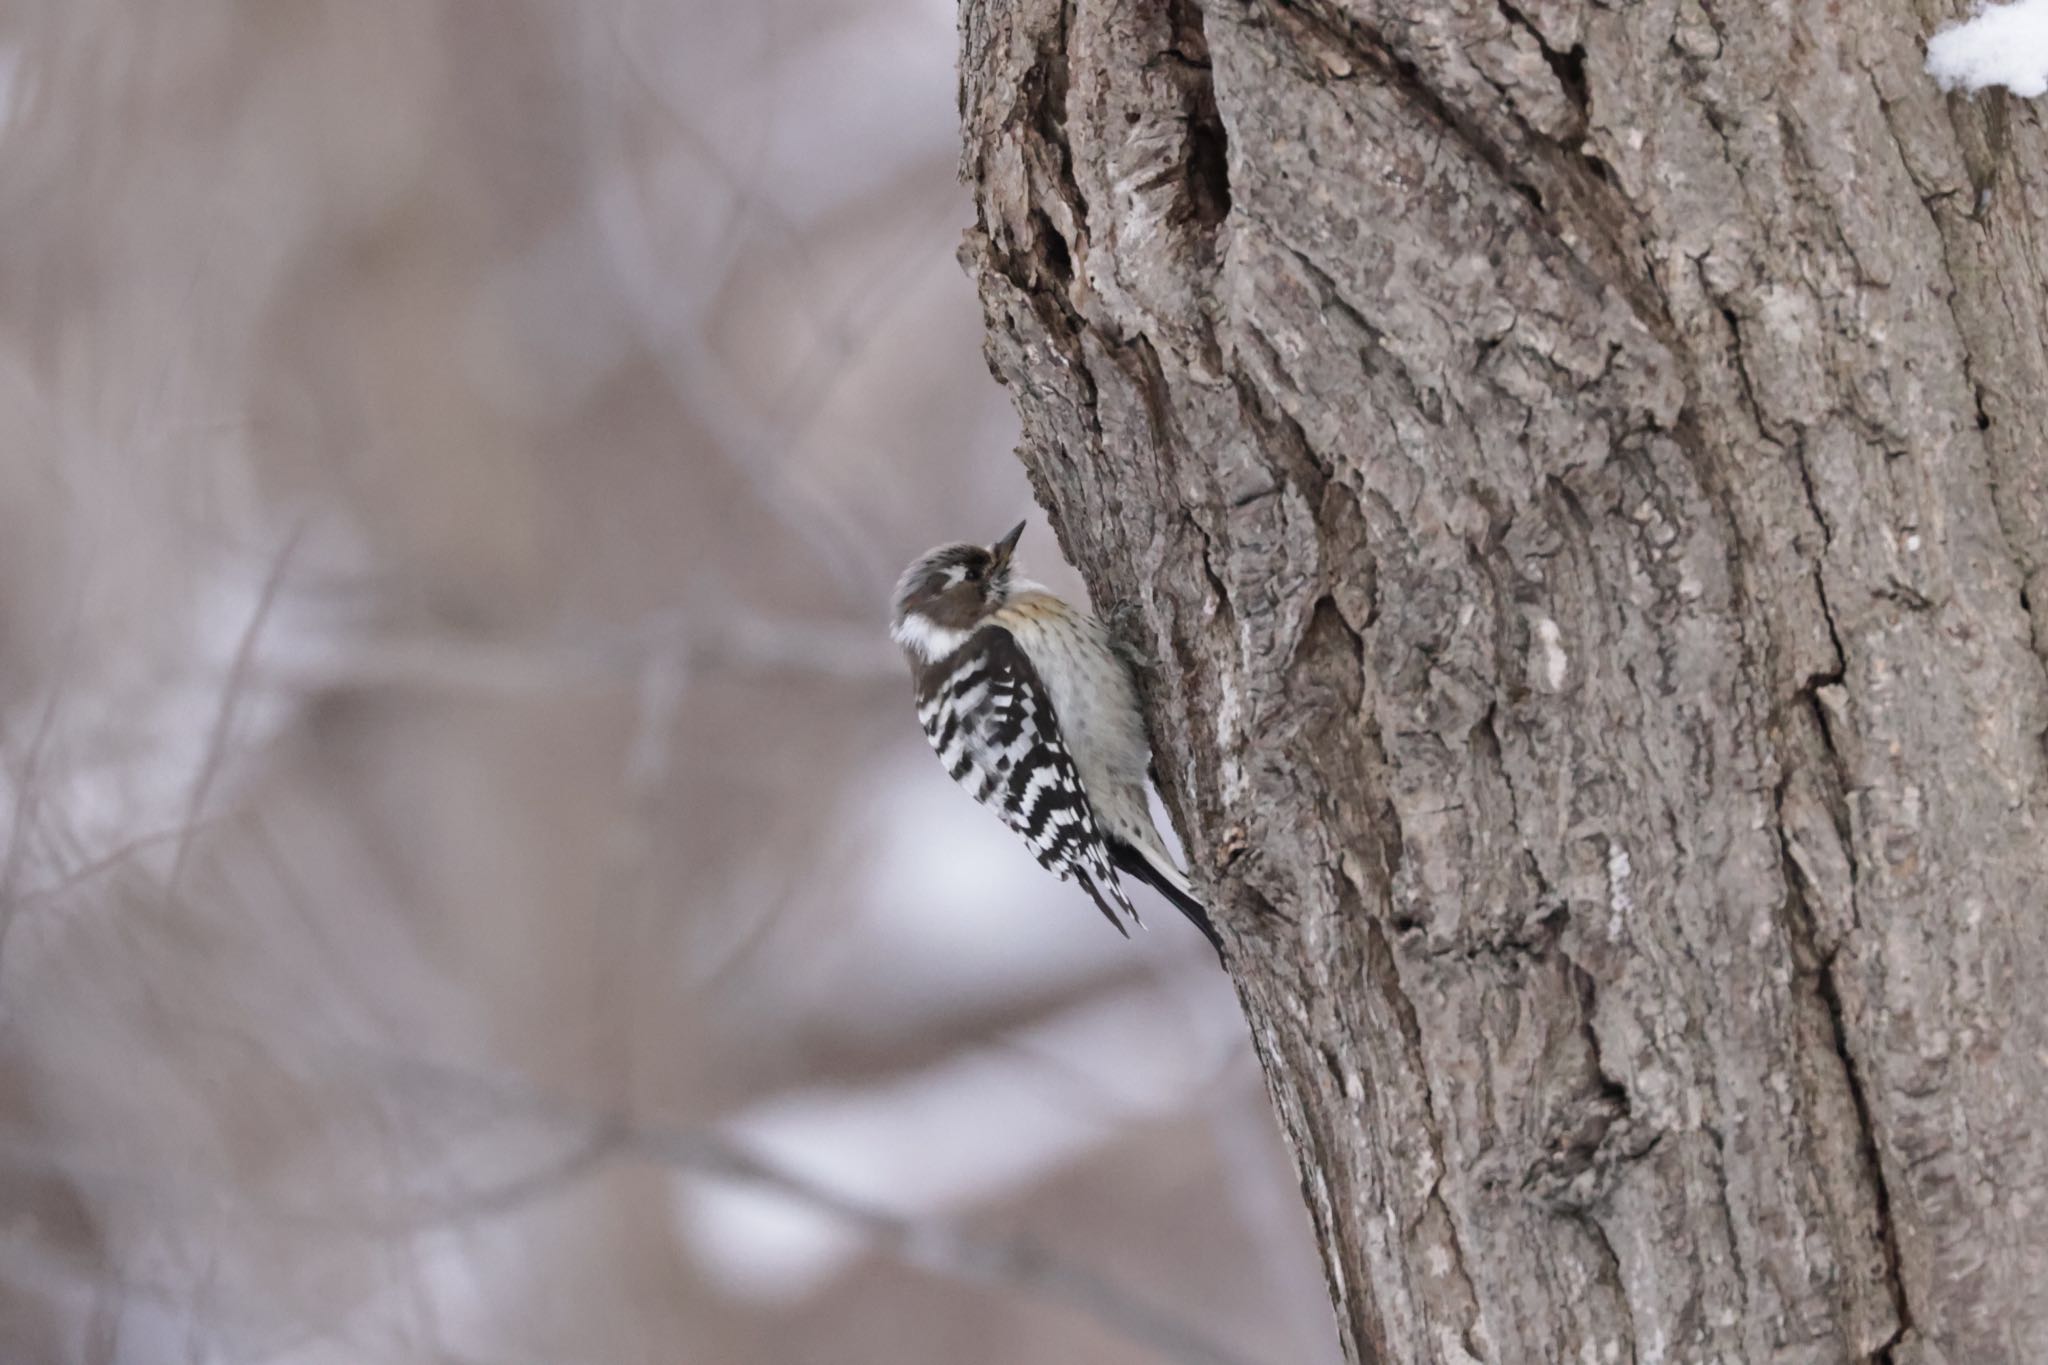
(1001, 551)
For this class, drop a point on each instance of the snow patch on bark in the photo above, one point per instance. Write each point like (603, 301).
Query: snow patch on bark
(1229, 716)
(2003, 45)
(1555, 662)
(1619, 902)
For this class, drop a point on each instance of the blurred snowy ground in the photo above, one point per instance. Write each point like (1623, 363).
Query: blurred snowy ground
(474, 889)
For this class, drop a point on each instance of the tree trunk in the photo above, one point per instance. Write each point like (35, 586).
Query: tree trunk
(1581, 472)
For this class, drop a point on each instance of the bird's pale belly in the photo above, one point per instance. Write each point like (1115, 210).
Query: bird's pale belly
(1093, 697)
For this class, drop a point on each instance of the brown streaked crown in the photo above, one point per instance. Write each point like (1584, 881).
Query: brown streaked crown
(954, 586)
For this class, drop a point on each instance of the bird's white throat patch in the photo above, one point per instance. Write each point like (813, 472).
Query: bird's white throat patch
(925, 638)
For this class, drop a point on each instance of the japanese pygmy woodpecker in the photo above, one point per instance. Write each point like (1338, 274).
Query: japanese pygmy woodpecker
(1034, 712)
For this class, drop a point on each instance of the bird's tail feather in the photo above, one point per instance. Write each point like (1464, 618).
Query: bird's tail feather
(1169, 883)
(1108, 899)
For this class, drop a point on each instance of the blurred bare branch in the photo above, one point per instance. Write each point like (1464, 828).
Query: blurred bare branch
(231, 688)
(452, 662)
(1014, 1265)
(27, 793)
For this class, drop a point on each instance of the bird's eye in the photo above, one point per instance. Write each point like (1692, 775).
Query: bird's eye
(973, 573)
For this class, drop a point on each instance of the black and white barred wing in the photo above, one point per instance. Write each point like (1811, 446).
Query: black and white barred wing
(993, 725)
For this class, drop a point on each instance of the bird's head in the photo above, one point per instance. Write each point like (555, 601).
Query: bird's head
(950, 590)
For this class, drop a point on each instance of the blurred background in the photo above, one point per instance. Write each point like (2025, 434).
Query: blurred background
(474, 889)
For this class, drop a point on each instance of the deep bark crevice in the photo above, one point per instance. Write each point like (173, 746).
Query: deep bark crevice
(1208, 143)
(1571, 191)
(1569, 66)
(1887, 1231)
(1350, 34)
(1817, 960)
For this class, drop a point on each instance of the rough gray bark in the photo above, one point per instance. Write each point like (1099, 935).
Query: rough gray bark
(1581, 471)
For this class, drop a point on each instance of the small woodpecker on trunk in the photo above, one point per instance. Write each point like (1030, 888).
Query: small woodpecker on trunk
(1032, 709)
